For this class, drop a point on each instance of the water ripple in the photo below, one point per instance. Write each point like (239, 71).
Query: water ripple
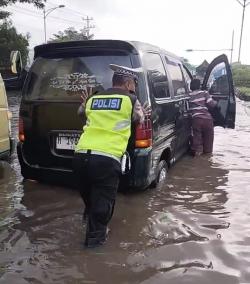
(193, 229)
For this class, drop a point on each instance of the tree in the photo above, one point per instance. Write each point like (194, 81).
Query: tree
(70, 34)
(11, 40)
(241, 75)
(4, 3)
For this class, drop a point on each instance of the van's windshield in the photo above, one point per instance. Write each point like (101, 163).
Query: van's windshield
(65, 78)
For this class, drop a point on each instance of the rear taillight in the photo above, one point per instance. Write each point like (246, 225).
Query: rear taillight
(143, 134)
(21, 130)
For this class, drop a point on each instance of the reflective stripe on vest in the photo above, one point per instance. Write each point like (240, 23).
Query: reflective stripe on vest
(108, 124)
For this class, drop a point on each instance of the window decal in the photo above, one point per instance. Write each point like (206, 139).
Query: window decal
(74, 82)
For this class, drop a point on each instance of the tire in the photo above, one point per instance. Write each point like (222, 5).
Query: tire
(25, 173)
(162, 174)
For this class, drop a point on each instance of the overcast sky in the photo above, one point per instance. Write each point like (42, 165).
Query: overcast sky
(172, 25)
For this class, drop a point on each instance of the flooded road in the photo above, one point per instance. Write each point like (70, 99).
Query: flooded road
(194, 229)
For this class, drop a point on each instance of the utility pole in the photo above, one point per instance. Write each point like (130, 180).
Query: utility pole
(244, 4)
(45, 14)
(87, 27)
(232, 48)
(44, 25)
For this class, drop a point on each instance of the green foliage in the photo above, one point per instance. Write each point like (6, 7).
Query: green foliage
(5, 3)
(11, 40)
(241, 75)
(70, 34)
(245, 91)
(4, 14)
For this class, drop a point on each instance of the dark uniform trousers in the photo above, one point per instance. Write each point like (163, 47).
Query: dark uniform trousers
(97, 178)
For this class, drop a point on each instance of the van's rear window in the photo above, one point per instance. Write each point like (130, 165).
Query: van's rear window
(65, 78)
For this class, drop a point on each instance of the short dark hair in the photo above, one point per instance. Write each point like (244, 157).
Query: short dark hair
(119, 80)
(195, 84)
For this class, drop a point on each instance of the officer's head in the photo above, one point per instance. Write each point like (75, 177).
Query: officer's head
(195, 84)
(124, 82)
(125, 78)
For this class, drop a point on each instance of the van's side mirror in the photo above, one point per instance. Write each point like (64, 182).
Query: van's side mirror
(16, 62)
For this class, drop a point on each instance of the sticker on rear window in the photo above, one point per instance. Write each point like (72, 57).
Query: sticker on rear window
(106, 104)
(74, 82)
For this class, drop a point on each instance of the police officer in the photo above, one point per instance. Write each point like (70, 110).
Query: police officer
(102, 144)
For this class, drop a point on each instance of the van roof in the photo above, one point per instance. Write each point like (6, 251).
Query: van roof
(132, 46)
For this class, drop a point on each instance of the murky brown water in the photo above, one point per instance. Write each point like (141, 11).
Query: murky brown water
(195, 229)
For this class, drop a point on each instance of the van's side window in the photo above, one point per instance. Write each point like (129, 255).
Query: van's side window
(156, 75)
(177, 77)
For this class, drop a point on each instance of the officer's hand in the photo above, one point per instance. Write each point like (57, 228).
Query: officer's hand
(147, 110)
(86, 93)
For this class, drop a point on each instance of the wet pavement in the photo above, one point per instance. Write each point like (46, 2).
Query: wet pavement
(194, 229)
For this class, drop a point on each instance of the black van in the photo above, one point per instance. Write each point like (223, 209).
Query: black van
(49, 126)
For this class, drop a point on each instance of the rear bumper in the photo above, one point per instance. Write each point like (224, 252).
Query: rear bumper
(139, 177)
(44, 174)
(141, 174)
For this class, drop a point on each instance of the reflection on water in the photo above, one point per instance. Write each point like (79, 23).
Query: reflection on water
(194, 229)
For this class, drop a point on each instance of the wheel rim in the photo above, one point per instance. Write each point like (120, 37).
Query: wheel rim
(162, 175)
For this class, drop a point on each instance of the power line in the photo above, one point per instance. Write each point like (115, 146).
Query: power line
(51, 4)
(12, 9)
(34, 12)
(64, 20)
(75, 12)
(31, 13)
(24, 11)
(71, 10)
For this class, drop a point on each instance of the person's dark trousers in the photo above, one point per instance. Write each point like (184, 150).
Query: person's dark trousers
(203, 135)
(97, 178)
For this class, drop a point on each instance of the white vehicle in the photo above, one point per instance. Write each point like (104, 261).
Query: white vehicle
(6, 141)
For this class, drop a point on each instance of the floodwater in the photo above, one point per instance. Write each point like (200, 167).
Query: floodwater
(194, 229)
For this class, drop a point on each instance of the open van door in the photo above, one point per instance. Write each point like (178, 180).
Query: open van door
(219, 82)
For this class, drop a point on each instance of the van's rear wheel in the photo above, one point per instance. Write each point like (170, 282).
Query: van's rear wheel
(162, 174)
(28, 174)
(163, 171)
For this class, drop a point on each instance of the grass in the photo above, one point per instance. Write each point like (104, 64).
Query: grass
(243, 93)
(244, 90)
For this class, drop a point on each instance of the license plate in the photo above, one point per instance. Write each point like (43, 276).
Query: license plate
(67, 141)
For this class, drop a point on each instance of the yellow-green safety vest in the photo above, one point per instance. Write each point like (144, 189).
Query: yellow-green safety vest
(108, 125)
